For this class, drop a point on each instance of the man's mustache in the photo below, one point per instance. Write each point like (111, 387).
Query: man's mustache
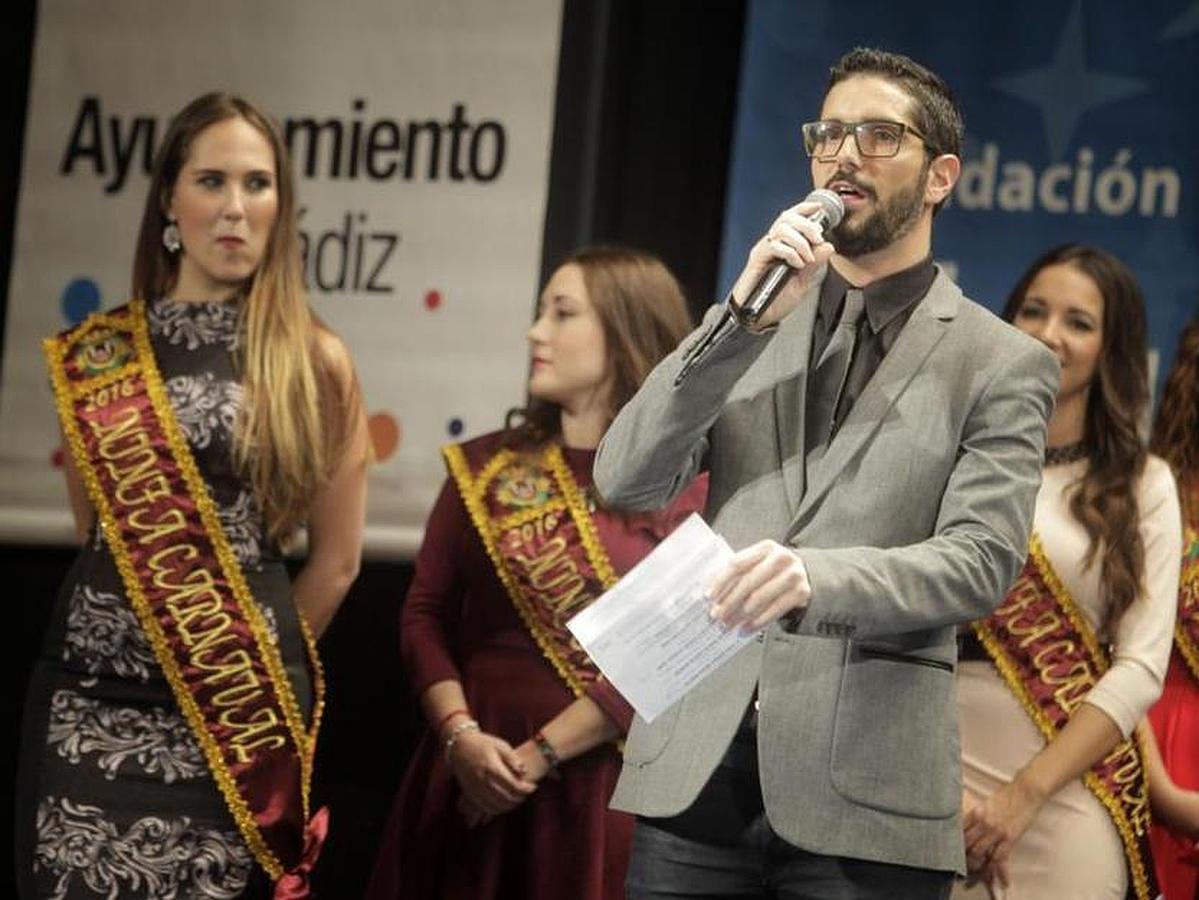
(849, 179)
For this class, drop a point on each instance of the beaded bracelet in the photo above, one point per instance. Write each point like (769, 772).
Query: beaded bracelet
(547, 751)
(461, 711)
(456, 732)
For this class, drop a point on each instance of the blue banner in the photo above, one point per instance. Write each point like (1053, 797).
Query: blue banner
(1082, 124)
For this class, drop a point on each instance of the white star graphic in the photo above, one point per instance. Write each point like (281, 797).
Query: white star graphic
(1066, 89)
(1185, 24)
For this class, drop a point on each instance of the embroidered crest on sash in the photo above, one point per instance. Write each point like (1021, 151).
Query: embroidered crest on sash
(533, 520)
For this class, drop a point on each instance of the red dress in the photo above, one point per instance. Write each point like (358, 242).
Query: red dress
(1175, 720)
(459, 623)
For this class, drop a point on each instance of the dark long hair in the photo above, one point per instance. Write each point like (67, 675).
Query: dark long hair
(1176, 431)
(1104, 499)
(643, 315)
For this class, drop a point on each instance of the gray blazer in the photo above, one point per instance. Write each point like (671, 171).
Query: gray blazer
(916, 518)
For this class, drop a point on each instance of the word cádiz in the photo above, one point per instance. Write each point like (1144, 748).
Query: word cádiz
(351, 257)
(346, 147)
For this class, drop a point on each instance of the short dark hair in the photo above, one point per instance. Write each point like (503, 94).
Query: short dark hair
(934, 108)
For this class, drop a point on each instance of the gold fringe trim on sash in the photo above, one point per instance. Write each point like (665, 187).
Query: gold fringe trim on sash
(1188, 593)
(473, 491)
(64, 396)
(1007, 670)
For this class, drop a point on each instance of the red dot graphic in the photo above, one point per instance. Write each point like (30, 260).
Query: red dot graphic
(56, 458)
(432, 300)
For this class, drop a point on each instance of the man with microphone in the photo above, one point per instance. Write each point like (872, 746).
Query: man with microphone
(874, 441)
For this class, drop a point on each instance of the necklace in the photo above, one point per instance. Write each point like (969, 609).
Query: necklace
(1066, 453)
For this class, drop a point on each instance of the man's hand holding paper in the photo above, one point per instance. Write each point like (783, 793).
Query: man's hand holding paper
(760, 584)
(653, 635)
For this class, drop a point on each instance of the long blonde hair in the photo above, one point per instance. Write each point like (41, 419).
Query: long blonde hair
(281, 443)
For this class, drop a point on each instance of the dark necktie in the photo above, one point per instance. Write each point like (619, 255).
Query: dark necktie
(826, 379)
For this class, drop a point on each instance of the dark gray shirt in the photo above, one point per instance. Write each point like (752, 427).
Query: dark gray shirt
(888, 303)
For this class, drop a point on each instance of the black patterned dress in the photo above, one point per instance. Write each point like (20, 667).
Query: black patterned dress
(114, 797)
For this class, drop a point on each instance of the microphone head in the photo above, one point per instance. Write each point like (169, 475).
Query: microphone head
(832, 209)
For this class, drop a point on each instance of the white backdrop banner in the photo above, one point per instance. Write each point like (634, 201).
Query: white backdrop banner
(420, 135)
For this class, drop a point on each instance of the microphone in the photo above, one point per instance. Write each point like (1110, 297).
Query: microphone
(827, 216)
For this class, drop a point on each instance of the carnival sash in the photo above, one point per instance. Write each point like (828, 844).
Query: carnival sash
(1186, 628)
(534, 523)
(188, 590)
(1050, 659)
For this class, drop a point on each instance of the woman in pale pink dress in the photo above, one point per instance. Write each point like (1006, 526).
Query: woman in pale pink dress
(1107, 517)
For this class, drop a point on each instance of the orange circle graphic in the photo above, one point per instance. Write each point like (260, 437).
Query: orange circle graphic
(385, 435)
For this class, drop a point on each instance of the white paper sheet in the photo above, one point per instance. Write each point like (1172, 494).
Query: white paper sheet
(651, 634)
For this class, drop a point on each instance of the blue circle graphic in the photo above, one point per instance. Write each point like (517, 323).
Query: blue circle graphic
(82, 296)
(455, 426)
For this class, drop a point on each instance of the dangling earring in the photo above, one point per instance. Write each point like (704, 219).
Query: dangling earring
(170, 237)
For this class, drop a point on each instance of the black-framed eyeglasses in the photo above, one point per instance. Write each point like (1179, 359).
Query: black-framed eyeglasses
(879, 139)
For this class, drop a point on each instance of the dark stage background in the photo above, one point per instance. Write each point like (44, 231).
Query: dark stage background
(642, 129)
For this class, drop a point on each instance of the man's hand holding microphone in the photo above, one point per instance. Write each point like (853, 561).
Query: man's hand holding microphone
(783, 263)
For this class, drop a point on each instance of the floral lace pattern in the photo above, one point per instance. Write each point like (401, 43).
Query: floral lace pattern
(193, 325)
(243, 527)
(156, 741)
(205, 406)
(104, 636)
(272, 624)
(161, 857)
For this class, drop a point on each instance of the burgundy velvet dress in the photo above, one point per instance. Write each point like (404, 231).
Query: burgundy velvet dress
(459, 623)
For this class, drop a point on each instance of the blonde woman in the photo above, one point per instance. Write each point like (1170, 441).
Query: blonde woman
(170, 722)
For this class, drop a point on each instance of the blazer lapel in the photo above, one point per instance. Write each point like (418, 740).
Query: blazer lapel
(916, 341)
(792, 346)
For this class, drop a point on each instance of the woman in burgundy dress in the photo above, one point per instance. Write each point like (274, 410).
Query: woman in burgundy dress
(507, 793)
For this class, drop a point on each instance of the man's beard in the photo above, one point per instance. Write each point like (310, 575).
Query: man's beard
(887, 224)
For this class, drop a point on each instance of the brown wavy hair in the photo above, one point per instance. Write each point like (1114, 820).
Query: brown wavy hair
(1104, 499)
(643, 315)
(1176, 430)
(284, 441)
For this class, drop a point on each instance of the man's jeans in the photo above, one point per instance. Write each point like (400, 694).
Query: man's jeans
(722, 846)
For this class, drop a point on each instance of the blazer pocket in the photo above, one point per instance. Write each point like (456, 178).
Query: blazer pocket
(909, 658)
(647, 741)
(895, 740)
